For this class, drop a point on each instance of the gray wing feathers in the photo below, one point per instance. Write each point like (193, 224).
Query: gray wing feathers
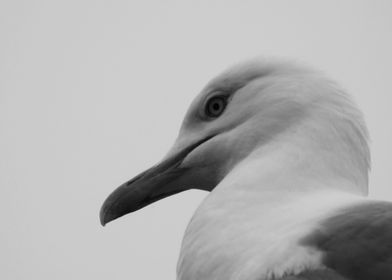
(324, 274)
(357, 242)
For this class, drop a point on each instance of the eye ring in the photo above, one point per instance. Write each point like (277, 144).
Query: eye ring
(215, 106)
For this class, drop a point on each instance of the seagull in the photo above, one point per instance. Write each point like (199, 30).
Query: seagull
(283, 151)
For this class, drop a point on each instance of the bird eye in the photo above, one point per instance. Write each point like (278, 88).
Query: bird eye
(215, 106)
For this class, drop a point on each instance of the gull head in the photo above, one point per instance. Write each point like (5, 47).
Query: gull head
(288, 118)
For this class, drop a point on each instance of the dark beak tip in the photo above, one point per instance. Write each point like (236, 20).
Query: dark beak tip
(102, 218)
(111, 211)
(105, 219)
(106, 216)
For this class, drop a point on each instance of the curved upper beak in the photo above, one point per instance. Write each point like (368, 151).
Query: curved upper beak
(165, 179)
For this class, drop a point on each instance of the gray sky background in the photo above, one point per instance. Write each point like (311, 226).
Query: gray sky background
(93, 92)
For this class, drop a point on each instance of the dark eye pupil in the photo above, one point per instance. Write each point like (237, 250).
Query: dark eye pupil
(215, 106)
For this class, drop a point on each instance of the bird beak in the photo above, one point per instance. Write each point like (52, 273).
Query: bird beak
(165, 179)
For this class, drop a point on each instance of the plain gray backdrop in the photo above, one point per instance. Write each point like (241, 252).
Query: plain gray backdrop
(93, 92)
